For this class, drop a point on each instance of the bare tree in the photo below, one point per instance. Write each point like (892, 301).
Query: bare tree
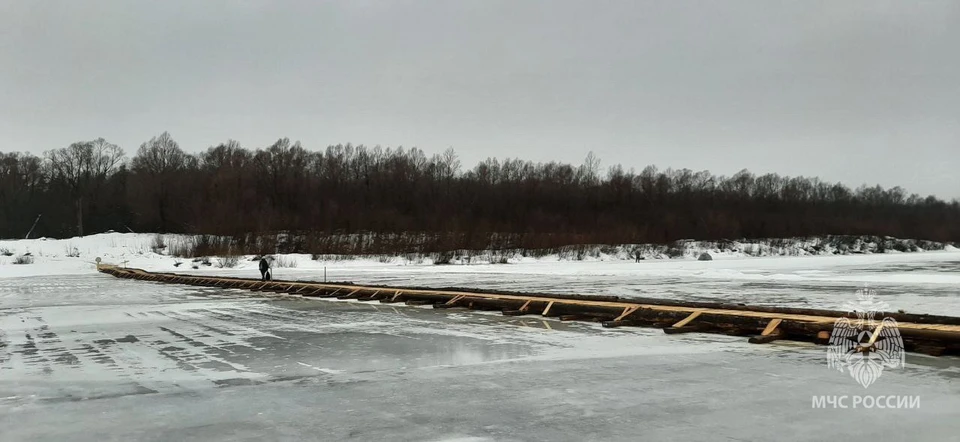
(23, 179)
(106, 158)
(157, 163)
(590, 169)
(83, 167)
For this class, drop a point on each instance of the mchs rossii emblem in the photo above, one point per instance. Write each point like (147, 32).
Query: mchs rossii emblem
(865, 346)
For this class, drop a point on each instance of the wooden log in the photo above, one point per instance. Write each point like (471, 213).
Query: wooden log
(681, 330)
(397, 297)
(637, 321)
(432, 297)
(454, 302)
(736, 331)
(275, 288)
(351, 295)
(588, 317)
(372, 297)
(418, 302)
(329, 295)
(823, 337)
(484, 306)
(802, 328)
(767, 338)
(673, 316)
(930, 350)
(725, 324)
(491, 304)
(933, 335)
(572, 317)
(315, 294)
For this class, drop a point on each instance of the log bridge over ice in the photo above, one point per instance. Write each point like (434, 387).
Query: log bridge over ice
(929, 334)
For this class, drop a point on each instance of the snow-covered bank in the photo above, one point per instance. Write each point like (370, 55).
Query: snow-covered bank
(920, 282)
(152, 251)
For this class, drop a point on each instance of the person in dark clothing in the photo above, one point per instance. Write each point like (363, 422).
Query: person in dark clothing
(264, 269)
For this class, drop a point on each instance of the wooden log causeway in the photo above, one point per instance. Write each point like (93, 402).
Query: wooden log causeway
(929, 334)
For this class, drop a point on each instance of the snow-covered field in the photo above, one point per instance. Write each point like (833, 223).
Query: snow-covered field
(917, 282)
(88, 357)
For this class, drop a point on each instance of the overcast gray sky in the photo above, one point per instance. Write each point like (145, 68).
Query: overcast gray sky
(861, 92)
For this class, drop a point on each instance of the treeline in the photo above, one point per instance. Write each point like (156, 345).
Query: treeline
(229, 190)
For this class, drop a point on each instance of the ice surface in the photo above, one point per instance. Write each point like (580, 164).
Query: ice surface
(88, 357)
(145, 361)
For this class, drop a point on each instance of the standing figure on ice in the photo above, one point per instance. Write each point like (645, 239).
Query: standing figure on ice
(264, 269)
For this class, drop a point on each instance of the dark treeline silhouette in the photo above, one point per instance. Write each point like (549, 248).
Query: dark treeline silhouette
(228, 190)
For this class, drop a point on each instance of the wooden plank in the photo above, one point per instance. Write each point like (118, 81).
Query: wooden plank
(687, 320)
(875, 335)
(546, 311)
(525, 306)
(771, 326)
(627, 312)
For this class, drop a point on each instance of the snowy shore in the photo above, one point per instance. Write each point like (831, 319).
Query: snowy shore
(919, 282)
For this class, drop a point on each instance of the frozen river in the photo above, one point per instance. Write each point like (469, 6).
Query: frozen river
(92, 358)
(916, 282)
